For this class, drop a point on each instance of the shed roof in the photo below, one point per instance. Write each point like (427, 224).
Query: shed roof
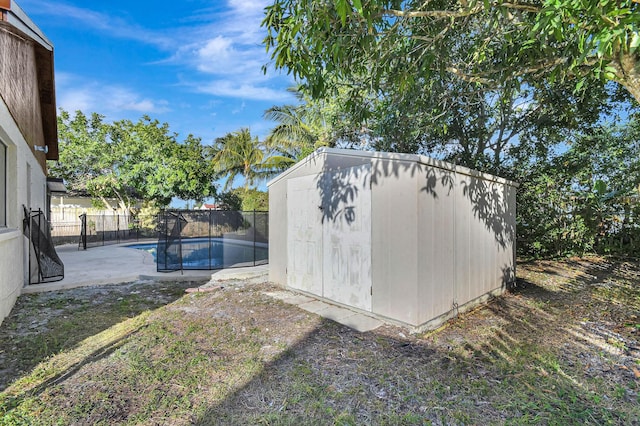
(420, 159)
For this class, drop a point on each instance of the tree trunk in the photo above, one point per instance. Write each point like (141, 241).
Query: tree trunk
(628, 74)
(106, 203)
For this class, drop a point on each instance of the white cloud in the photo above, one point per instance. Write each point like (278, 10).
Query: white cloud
(106, 23)
(234, 89)
(75, 93)
(120, 98)
(221, 51)
(248, 6)
(241, 108)
(76, 100)
(230, 54)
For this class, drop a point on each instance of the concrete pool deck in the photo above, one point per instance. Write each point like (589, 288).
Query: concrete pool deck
(116, 264)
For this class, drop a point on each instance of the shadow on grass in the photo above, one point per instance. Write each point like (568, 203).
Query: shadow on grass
(44, 324)
(477, 374)
(239, 357)
(511, 360)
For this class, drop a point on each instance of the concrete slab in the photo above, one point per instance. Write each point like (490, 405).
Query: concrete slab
(298, 299)
(361, 323)
(315, 307)
(289, 297)
(279, 295)
(337, 313)
(256, 274)
(115, 264)
(356, 320)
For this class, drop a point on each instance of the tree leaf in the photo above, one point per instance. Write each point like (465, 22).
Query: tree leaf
(358, 5)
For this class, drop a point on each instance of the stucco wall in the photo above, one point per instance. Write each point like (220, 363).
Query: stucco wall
(26, 186)
(11, 274)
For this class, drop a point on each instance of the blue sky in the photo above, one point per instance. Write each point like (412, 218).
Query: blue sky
(194, 64)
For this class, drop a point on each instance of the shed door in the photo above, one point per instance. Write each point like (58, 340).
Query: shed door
(347, 237)
(304, 240)
(329, 237)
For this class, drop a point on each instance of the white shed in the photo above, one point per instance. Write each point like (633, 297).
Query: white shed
(404, 237)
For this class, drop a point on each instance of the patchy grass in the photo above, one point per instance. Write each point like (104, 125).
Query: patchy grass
(561, 349)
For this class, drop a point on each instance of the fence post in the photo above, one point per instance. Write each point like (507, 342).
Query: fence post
(165, 219)
(39, 250)
(254, 237)
(30, 237)
(180, 241)
(83, 231)
(209, 232)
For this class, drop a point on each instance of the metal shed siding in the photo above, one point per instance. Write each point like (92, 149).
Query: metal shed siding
(441, 235)
(436, 264)
(466, 228)
(277, 234)
(394, 240)
(314, 165)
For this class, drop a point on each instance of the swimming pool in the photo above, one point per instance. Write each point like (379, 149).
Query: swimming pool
(207, 254)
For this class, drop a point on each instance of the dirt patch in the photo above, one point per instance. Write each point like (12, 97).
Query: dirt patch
(561, 348)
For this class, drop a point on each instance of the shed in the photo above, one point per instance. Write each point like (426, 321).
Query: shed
(404, 237)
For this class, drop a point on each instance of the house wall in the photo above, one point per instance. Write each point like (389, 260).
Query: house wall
(19, 87)
(26, 186)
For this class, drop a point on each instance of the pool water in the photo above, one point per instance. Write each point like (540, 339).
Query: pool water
(207, 254)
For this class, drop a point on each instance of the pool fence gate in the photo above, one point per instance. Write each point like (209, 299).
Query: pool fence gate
(44, 264)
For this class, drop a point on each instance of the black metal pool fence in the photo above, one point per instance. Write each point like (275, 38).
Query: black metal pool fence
(100, 230)
(44, 263)
(211, 239)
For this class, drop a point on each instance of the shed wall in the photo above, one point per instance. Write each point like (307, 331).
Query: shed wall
(467, 233)
(441, 236)
(394, 239)
(314, 165)
(436, 247)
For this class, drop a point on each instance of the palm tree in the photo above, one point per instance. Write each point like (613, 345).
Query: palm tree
(238, 153)
(300, 129)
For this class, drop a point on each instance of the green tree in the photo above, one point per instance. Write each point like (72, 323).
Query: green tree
(229, 201)
(406, 40)
(252, 199)
(293, 136)
(240, 154)
(585, 199)
(394, 96)
(310, 124)
(129, 161)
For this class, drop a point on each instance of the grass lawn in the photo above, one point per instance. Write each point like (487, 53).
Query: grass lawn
(562, 348)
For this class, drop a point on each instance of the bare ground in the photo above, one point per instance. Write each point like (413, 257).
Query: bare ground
(560, 348)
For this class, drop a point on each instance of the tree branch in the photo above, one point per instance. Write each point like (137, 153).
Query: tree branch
(461, 13)
(432, 13)
(519, 6)
(478, 78)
